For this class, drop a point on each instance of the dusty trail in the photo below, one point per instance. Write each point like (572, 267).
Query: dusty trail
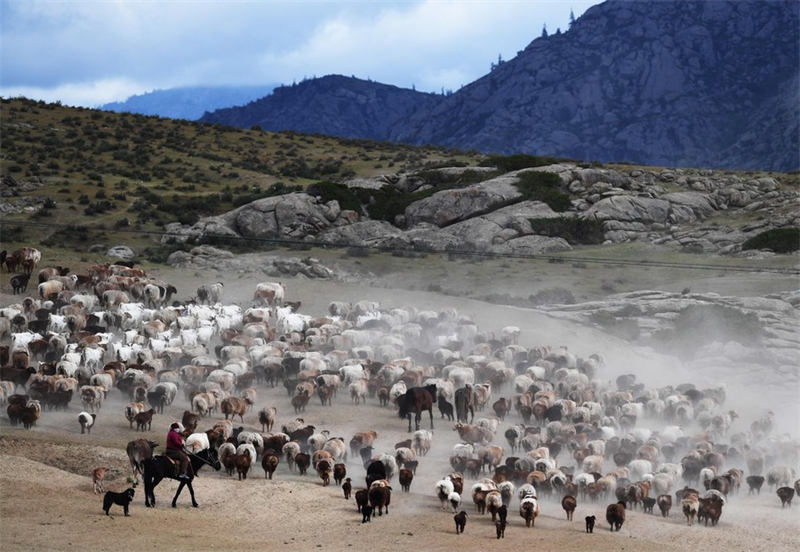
(47, 503)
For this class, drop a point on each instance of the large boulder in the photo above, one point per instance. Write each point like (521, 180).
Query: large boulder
(365, 232)
(631, 209)
(295, 215)
(532, 245)
(449, 206)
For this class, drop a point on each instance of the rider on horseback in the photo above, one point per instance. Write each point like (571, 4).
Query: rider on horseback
(175, 450)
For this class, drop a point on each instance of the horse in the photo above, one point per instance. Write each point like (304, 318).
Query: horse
(159, 467)
(416, 400)
(464, 400)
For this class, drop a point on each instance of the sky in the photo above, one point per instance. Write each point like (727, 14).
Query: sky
(90, 52)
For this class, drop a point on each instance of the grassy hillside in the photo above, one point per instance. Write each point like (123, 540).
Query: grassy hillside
(121, 171)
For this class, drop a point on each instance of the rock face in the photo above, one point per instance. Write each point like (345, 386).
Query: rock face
(449, 206)
(206, 257)
(690, 83)
(672, 207)
(121, 252)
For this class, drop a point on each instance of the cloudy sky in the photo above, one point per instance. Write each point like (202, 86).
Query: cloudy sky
(89, 52)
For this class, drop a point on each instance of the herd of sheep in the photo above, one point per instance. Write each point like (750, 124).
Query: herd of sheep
(534, 423)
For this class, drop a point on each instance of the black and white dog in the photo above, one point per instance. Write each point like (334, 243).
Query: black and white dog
(121, 499)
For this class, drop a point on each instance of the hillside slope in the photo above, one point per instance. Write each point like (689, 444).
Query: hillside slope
(188, 102)
(334, 105)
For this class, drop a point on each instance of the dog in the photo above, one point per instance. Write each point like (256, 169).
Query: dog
(97, 479)
(461, 521)
(122, 499)
(366, 510)
(590, 524)
(501, 529)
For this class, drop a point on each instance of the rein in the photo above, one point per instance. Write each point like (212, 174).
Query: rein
(199, 458)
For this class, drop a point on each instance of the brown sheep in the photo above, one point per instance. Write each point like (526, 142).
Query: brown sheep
(324, 469)
(379, 498)
(339, 473)
(664, 504)
(98, 475)
(754, 482)
(234, 406)
(347, 488)
(615, 515)
(299, 403)
(362, 498)
(405, 477)
(143, 419)
(269, 462)
(243, 462)
(461, 521)
(302, 461)
(569, 504)
(710, 509)
(786, 494)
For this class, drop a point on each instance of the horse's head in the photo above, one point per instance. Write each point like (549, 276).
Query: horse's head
(212, 458)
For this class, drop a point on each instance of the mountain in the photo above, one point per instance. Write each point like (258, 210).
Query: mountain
(335, 105)
(188, 102)
(690, 83)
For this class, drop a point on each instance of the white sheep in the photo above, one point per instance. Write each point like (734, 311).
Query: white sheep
(248, 448)
(86, 421)
(444, 488)
(197, 442)
(454, 499)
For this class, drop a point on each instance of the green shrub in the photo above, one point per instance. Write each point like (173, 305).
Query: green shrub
(328, 191)
(575, 230)
(544, 187)
(779, 240)
(519, 161)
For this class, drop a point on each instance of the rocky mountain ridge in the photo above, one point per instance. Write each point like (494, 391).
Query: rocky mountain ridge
(693, 83)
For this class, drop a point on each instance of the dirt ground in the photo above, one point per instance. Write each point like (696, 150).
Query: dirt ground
(46, 499)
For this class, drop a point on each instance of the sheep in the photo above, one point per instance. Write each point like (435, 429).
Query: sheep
(421, 441)
(529, 510)
(664, 504)
(461, 521)
(227, 457)
(324, 469)
(243, 462)
(143, 419)
(615, 515)
(780, 476)
(754, 482)
(131, 410)
(290, 450)
(444, 488)
(266, 417)
(493, 501)
(98, 475)
(339, 473)
(568, 503)
(454, 499)
(379, 498)
(690, 504)
(786, 494)
(86, 421)
(405, 477)
(302, 460)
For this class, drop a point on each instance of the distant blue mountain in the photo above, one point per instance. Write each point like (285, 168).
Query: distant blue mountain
(189, 102)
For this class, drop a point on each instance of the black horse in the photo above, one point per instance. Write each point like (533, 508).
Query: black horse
(416, 400)
(159, 467)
